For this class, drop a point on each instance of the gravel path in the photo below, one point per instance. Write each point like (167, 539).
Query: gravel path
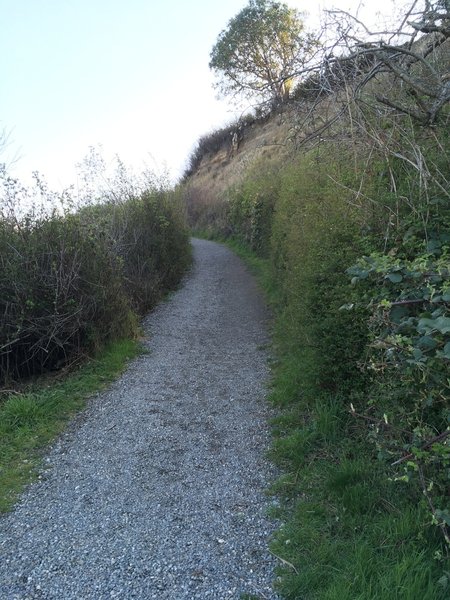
(157, 490)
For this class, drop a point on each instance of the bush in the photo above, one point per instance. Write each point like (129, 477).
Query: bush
(250, 208)
(61, 292)
(69, 284)
(315, 236)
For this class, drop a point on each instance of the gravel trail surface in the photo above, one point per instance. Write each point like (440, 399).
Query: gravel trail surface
(157, 489)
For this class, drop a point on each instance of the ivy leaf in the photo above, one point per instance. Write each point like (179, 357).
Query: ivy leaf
(357, 272)
(426, 342)
(434, 245)
(369, 259)
(394, 277)
(443, 515)
(443, 581)
(447, 350)
(417, 353)
(443, 324)
(425, 326)
(398, 313)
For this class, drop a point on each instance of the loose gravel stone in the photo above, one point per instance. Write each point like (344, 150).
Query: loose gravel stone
(157, 489)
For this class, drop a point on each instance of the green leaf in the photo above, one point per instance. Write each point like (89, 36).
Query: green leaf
(433, 245)
(443, 516)
(426, 342)
(425, 325)
(447, 350)
(398, 313)
(394, 277)
(443, 324)
(417, 353)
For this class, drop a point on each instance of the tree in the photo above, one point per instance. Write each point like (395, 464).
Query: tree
(410, 61)
(260, 49)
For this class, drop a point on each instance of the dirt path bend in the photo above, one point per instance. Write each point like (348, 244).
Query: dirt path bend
(157, 490)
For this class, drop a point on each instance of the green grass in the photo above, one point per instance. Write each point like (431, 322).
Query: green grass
(347, 532)
(29, 421)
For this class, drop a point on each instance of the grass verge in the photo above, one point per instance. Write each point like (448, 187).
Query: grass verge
(348, 531)
(30, 420)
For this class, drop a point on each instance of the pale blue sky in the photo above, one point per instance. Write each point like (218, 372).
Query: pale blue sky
(131, 75)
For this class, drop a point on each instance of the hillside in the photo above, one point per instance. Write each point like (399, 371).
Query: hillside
(342, 199)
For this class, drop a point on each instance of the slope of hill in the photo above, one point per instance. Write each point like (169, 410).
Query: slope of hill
(344, 199)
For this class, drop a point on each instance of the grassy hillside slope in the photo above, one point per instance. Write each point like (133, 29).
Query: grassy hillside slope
(346, 205)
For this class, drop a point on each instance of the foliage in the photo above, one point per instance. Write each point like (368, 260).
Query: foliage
(260, 49)
(75, 275)
(410, 353)
(339, 513)
(250, 207)
(59, 292)
(314, 237)
(69, 283)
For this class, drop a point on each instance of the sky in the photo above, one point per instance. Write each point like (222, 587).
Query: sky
(130, 77)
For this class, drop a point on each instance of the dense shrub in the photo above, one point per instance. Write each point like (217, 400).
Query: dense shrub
(316, 233)
(305, 223)
(69, 284)
(250, 208)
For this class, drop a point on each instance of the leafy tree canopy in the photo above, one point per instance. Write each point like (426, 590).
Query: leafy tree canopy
(261, 48)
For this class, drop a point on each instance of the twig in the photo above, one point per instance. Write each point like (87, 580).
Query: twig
(441, 524)
(438, 438)
(403, 302)
(377, 421)
(284, 561)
